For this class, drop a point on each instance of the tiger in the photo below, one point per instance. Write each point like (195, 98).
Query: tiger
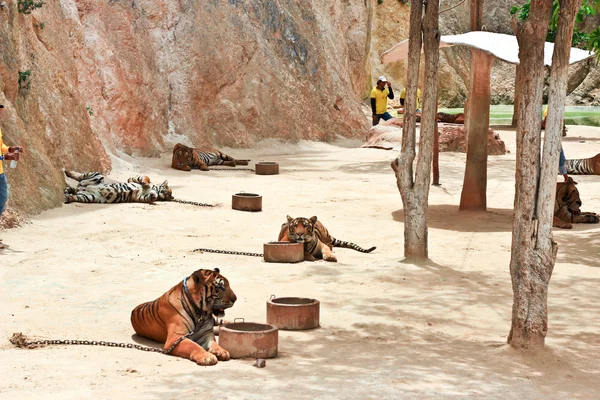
(92, 189)
(188, 307)
(188, 158)
(318, 243)
(567, 207)
(451, 118)
(584, 166)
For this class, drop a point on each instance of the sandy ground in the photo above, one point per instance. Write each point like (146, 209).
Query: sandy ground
(389, 329)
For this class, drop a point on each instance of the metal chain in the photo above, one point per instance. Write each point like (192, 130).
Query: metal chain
(194, 203)
(231, 169)
(20, 340)
(239, 253)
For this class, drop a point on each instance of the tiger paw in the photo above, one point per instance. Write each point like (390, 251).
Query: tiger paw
(204, 358)
(330, 258)
(221, 353)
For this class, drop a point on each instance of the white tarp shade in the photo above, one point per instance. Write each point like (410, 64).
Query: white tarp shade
(504, 47)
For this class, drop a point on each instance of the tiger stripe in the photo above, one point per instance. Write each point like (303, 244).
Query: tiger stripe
(188, 309)
(187, 158)
(91, 189)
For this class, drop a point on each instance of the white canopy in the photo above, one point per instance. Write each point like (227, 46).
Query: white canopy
(504, 47)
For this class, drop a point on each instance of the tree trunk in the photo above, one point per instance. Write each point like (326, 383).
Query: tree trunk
(414, 187)
(436, 155)
(516, 99)
(533, 252)
(475, 180)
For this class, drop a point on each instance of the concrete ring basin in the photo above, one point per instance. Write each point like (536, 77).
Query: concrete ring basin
(249, 340)
(246, 202)
(266, 168)
(293, 313)
(283, 252)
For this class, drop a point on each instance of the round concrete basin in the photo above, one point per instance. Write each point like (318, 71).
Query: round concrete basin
(293, 313)
(266, 168)
(283, 252)
(249, 339)
(246, 202)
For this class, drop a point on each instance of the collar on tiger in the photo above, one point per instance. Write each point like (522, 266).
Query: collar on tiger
(197, 310)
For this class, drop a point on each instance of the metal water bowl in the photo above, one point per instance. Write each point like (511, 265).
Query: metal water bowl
(283, 252)
(293, 313)
(249, 339)
(266, 168)
(246, 202)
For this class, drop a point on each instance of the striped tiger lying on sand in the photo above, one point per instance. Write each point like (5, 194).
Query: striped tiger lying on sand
(584, 166)
(188, 307)
(188, 158)
(567, 207)
(92, 189)
(318, 243)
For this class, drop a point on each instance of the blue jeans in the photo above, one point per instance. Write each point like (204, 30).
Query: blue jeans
(385, 116)
(3, 193)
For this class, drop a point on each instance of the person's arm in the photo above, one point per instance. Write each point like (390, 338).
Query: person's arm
(373, 106)
(391, 92)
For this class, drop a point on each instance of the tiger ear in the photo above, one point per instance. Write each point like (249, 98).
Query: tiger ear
(201, 275)
(217, 270)
(165, 183)
(313, 219)
(289, 219)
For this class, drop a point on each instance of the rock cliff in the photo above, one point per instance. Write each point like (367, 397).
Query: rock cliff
(84, 79)
(87, 80)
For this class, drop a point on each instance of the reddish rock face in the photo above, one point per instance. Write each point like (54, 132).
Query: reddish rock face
(133, 77)
(452, 138)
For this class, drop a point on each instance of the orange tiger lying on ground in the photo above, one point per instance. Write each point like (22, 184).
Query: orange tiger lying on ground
(567, 207)
(318, 243)
(188, 158)
(188, 307)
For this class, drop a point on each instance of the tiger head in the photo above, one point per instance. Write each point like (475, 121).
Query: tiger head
(165, 193)
(212, 291)
(301, 229)
(183, 157)
(568, 195)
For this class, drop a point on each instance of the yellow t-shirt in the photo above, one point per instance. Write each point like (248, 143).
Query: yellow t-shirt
(545, 111)
(4, 151)
(403, 96)
(380, 97)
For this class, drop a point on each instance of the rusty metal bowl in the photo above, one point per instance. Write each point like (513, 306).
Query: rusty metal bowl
(266, 168)
(249, 339)
(283, 252)
(246, 202)
(293, 313)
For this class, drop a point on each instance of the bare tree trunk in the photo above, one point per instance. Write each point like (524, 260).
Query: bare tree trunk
(414, 187)
(476, 15)
(475, 180)
(533, 249)
(436, 155)
(516, 99)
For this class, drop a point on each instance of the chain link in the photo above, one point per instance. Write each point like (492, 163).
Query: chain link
(231, 169)
(20, 340)
(194, 203)
(239, 253)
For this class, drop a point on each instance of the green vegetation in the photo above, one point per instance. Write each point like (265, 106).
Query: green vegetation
(24, 82)
(89, 110)
(582, 40)
(27, 6)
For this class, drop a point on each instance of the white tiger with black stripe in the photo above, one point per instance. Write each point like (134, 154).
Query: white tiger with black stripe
(584, 166)
(92, 189)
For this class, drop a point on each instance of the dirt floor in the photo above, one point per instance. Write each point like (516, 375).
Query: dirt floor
(389, 329)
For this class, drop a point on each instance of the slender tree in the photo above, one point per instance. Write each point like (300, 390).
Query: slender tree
(533, 252)
(413, 184)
